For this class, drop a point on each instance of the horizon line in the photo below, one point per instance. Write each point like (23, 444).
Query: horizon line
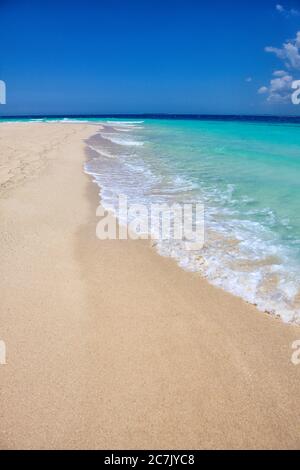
(151, 115)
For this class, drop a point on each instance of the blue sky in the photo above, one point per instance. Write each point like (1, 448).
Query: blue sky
(149, 56)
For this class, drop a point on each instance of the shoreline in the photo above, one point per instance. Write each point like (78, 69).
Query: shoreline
(108, 155)
(111, 345)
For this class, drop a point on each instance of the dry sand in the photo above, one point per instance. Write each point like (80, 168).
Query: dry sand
(111, 346)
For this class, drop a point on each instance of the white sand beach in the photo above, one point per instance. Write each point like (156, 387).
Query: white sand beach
(111, 346)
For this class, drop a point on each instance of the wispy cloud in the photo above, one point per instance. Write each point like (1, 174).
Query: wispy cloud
(279, 73)
(287, 13)
(289, 52)
(280, 87)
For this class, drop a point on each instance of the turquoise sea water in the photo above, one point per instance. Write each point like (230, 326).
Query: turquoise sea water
(247, 175)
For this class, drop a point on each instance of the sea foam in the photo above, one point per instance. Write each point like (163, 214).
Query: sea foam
(252, 242)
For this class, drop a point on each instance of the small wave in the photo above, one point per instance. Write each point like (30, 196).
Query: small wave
(245, 252)
(101, 152)
(125, 126)
(118, 129)
(128, 123)
(66, 120)
(122, 141)
(80, 121)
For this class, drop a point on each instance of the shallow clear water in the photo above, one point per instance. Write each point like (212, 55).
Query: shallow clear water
(246, 174)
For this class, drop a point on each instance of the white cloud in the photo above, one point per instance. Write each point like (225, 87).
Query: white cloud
(249, 79)
(279, 73)
(262, 90)
(279, 89)
(287, 13)
(289, 52)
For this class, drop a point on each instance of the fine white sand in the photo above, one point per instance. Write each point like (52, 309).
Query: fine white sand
(110, 345)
